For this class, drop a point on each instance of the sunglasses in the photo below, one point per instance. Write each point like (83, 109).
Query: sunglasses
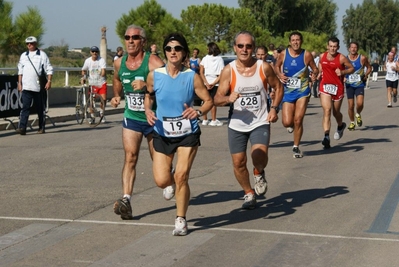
(29, 43)
(134, 37)
(247, 46)
(94, 51)
(177, 48)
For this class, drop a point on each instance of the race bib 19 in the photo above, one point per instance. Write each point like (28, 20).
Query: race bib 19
(176, 126)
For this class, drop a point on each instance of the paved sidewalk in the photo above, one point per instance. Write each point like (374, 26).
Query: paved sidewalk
(57, 114)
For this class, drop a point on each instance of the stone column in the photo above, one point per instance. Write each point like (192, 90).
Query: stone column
(103, 43)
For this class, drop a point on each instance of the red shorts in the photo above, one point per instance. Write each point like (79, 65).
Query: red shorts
(339, 94)
(101, 90)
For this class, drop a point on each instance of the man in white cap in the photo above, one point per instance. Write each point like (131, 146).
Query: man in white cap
(33, 66)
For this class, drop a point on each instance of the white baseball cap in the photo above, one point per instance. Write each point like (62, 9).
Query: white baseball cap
(31, 39)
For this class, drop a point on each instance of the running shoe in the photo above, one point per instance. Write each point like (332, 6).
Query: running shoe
(352, 126)
(297, 152)
(122, 207)
(103, 120)
(395, 98)
(205, 122)
(389, 105)
(339, 133)
(359, 121)
(290, 129)
(215, 123)
(260, 184)
(249, 202)
(326, 142)
(169, 192)
(180, 227)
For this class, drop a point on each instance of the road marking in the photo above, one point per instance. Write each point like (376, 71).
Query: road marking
(39, 242)
(208, 228)
(157, 248)
(383, 219)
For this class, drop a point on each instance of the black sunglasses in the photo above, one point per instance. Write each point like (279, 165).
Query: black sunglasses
(29, 43)
(177, 48)
(247, 46)
(134, 37)
(94, 51)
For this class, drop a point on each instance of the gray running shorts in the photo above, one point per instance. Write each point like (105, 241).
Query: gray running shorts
(238, 140)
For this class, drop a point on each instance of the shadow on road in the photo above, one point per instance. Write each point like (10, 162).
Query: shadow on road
(283, 205)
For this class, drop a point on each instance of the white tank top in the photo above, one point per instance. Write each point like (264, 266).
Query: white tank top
(249, 110)
(391, 75)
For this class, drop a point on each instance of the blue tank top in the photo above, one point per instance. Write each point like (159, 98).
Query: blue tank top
(298, 76)
(355, 79)
(196, 65)
(171, 94)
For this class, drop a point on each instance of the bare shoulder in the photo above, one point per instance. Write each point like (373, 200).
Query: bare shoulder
(155, 62)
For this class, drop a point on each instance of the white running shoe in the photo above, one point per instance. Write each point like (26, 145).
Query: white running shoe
(180, 227)
(260, 184)
(216, 123)
(290, 129)
(205, 122)
(249, 202)
(169, 192)
(339, 133)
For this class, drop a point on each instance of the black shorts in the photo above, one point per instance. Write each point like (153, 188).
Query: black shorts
(392, 84)
(167, 146)
(213, 91)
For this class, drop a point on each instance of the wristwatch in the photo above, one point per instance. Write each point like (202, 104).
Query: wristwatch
(275, 108)
(199, 112)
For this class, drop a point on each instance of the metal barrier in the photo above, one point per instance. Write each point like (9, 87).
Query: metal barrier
(67, 70)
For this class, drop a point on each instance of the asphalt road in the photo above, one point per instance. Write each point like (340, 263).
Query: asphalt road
(335, 207)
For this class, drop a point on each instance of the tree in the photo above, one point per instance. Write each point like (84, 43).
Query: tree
(13, 35)
(280, 16)
(374, 25)
(219, 24)
(154, 19)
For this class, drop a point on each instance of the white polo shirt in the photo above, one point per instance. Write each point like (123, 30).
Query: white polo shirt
(27, 70)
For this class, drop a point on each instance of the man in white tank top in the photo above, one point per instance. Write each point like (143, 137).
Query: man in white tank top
(247, 80)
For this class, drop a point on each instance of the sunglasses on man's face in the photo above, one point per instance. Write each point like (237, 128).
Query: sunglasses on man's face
(29, 43)
(94, 51)
(177, 48)
(247, 46)
(134, 37)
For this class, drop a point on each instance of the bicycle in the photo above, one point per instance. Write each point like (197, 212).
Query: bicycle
(89, 107)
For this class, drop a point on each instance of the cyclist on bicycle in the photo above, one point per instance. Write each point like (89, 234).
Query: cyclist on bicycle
(95, 67)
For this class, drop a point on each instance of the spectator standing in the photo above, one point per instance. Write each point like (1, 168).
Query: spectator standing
(33, 64)
(376, 67)
(210, 68)
(119, 52)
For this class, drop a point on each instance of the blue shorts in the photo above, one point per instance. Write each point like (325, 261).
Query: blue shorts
(293, 96)
(137, 126)
(351, 92)
(238, 141)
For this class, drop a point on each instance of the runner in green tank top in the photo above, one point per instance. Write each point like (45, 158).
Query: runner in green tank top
(130, 74)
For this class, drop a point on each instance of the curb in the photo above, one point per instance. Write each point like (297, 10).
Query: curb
(60, 118)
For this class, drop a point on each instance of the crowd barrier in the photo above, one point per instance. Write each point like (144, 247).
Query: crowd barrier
(11, 103)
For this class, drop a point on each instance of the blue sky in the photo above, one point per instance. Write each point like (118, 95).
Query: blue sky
(77, 23)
